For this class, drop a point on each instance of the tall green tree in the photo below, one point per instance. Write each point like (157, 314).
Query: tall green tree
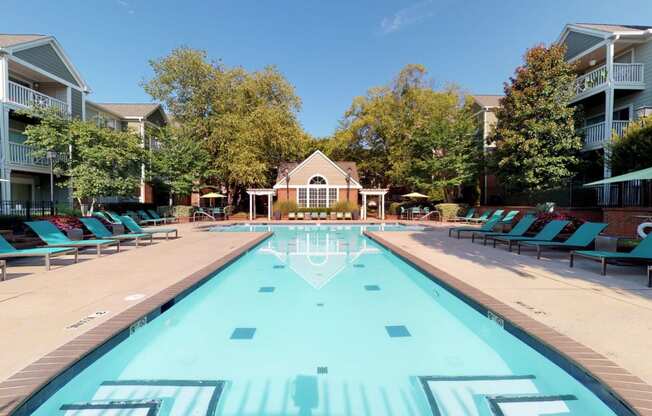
(632, 151)
(246, 120)
(537, 144)
(94, 161)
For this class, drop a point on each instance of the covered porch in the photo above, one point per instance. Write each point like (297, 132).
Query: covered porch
(252, 201)
(380, 194)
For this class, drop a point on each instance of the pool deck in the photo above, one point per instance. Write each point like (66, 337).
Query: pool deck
(611, 315)
(38, 307)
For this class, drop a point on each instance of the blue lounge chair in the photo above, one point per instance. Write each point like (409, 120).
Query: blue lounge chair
(7, 251)
(642, 253)
(487, 226)
(104, 216)
(469, 214)
(547, 233)
(582, 238)
(100, 231)
(497, 214)
(141, 220)
(519, 229)
(155, 215)
(482, 218)
(135, 228)
(146, 217)
(55, 238)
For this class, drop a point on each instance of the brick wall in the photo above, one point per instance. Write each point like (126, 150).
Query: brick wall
(623, 221)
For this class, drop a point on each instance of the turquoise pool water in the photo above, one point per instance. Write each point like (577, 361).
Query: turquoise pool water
(320, 320)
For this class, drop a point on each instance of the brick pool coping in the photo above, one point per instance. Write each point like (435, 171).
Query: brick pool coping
(629, 389)
(20, 387)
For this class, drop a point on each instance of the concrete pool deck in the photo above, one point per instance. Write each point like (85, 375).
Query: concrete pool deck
(38, 308)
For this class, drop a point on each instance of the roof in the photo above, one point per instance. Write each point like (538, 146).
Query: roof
(613, 28)
(344, 165)
(102, 108)
(638, 175)
(487, 100)
(7, 40)
(131, 110)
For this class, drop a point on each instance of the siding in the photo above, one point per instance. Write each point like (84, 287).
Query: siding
(577, 42)
(76, 103)
(45, 57)
(643, 54)
(318, 165)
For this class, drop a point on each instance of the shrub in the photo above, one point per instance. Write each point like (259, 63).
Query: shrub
(394, 208)
(64, 222)
(345, 206)
(449, 210)
(631, 152)
(183, 210)
(285, 206)
(65, 209)
(544, 218)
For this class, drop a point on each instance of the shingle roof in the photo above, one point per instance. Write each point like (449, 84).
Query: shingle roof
(488, 100)
(605, 27)
(344, 165)
(126, 110)
(11, 40)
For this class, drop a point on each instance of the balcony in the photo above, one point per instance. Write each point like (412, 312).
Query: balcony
(21, 155)
(596, 134)
(625, 76)
(27, 97)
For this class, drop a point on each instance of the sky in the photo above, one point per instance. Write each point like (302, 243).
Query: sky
(331, 50)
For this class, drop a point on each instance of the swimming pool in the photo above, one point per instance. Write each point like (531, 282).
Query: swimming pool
(320, 320)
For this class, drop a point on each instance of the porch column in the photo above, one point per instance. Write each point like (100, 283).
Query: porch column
(382, 207)
(364, 206)
(5, 171)
(609, 104)
(269, 207)
(251, 212)
(4, 78)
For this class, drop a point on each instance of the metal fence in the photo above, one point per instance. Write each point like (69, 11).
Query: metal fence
(27, 209)
(625, 194)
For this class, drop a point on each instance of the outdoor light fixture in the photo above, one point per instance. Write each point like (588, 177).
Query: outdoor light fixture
(592, 62)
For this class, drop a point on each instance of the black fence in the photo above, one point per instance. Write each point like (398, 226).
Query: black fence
(27, 209)
(625, 194)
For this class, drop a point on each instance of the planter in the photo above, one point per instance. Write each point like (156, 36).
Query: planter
(276, 216)
(75, 234)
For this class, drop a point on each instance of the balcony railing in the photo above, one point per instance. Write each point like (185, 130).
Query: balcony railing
(27, 97)
(21, 154)
(595, 134)
(625, 75)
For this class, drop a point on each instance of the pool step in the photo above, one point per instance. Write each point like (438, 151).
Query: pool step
(151, 398)
(508, 395)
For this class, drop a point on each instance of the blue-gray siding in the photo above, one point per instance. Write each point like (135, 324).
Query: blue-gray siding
(577, 42)
(46, 58)
(76, 103)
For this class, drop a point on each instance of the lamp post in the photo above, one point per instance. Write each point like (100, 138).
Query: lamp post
(348, 183)
(51, 155)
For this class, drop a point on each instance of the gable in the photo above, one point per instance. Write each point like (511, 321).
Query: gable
(46, 57)
(317, 164)
(157, 117)
(577, 42)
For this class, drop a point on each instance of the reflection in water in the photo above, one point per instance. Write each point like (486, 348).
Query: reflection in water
(306, 394)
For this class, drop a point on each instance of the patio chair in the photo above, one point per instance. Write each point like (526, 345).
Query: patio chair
(135, 228)
(469, 214)
(314, 216)
(105, 217)
(497, 214)
(145, 216)
(292, 216)
(115, 217)
(348, 216)
(7, 251)
(509, 217)
(155, 215)
(51, 235)
(300, 216)
(323, 216)
(487, 226)
(140, 219)
(642, 253)
(339, 215)
(519, 229)
(482, 218)
(100, 231)
(547, 233)
(582, 238)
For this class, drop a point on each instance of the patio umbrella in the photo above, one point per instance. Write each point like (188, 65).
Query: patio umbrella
(212, 195)
(414, 195)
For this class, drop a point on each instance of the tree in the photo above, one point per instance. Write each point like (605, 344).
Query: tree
(104, 162)
(537, 145)
(179, 160)
(632, 151)
(246, 121)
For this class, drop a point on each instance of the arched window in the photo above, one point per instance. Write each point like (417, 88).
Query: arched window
(317, 180)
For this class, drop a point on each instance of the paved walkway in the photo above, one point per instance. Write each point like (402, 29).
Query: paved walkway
(612, 314)
(37, 306)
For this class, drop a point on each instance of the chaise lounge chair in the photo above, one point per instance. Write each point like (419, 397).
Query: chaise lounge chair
(300, 216)
(55, 238)
(482, 218)
(7, 251)
(547, 233)
(105, 217)
(145, 216)
(100, 231)
(155, 216)
(518, 230)
(135, 228)
(469, 214)
(497, 214)
(339, 215)
(486, 227)
(642, 253)
(323, 216)
(141, 220)
(348, 216)
(582, 238)
(291, 216)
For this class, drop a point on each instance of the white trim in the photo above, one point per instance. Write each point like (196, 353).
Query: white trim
(45, 73)
(315, 184)
(302, 164)
(631, 114)
(587, 51)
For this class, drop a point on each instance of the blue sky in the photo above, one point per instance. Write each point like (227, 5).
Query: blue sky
(330, 50)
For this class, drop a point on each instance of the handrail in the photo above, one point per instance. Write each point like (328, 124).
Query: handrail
(19, 94)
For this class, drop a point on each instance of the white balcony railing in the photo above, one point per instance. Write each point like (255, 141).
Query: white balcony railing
(625, 75)
(27, 97)
(596, 134)
(21, 154)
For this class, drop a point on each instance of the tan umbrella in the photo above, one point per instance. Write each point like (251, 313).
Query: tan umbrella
(414, 195)
(212, 195)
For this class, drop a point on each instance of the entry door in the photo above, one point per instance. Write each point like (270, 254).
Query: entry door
(21, 192)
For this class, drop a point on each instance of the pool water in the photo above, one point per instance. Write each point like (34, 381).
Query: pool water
(320, 320)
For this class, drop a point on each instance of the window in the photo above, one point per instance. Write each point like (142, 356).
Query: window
(302, 197)
(317, 197)
(318, 180)
(332, 196)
